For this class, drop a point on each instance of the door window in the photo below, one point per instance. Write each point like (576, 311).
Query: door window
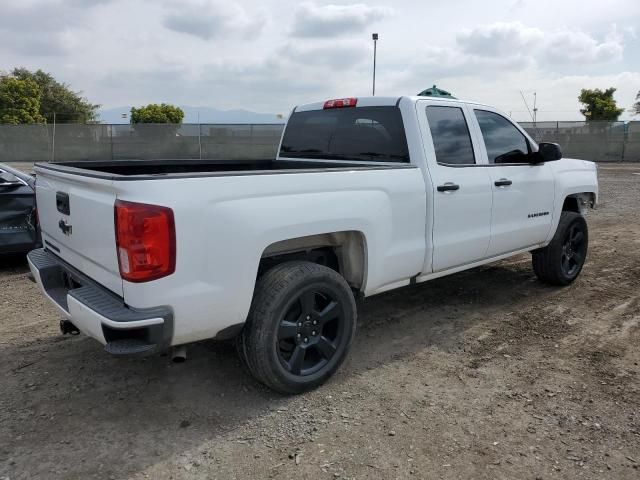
(503, 141)
(450, 133)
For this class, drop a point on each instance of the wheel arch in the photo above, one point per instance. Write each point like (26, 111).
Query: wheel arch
(348, 248)
(579, 202)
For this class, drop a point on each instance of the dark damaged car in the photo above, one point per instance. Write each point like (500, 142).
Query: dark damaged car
(19, 230)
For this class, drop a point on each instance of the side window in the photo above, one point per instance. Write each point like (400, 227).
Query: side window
(450, 133)
(504, 142)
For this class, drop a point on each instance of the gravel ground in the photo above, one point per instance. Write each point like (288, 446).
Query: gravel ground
(25, 167)
(484, 374)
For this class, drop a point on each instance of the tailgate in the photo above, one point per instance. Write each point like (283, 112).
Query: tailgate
(77, 223)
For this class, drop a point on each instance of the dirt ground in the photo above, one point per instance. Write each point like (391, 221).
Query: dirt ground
(484, 374)
(25, 167)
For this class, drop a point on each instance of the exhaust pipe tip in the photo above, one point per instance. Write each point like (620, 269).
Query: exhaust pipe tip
(179, 354)
(66, 327)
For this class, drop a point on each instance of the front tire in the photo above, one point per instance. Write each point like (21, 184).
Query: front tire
(560, 262)
(300, 326)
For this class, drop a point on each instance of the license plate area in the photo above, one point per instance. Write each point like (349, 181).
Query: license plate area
(69, 281)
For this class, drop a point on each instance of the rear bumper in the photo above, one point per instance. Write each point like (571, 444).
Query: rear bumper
(17, 240)
(96, 311)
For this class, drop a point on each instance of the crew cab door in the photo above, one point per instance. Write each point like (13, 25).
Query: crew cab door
(461, 203)
(523, 193)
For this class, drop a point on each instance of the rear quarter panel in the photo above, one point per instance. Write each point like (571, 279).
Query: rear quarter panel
(225, 223)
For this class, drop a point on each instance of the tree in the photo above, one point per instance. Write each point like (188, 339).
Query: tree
(599, 104)
(636, 106)
(154, 113)
(58, 98)
(19, 101)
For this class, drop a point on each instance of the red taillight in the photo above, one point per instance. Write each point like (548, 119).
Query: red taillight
(340, 103)
(145, 241)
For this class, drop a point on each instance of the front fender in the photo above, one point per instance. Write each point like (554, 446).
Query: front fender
(573, 178)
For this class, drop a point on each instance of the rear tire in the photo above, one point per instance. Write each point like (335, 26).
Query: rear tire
(300, 326)
(560, 262)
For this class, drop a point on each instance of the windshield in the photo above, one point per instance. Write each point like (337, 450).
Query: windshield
(360, 133)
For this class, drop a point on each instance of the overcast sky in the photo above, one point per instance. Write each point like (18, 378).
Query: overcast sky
(267, 55)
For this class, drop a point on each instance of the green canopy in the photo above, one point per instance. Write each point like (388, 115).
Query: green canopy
(435, 92)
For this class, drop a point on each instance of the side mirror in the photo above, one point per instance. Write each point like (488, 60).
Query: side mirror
(547, 152)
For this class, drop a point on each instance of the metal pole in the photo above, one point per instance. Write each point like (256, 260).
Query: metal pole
(199, 136)
(375, 41)
(53, 139)
(625, 135)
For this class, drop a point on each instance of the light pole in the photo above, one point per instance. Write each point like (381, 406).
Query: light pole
(375, 41)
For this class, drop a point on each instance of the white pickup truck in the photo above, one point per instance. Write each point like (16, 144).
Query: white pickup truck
(365, 195)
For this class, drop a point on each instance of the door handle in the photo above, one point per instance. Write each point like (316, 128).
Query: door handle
(448, 187)
(503, 182)
(62, 203)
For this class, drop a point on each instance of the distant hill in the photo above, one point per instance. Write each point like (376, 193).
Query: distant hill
(207, 115)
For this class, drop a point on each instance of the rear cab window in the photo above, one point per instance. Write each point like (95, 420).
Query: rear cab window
(372, 134)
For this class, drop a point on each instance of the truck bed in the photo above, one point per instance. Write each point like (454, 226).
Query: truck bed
(150, 169)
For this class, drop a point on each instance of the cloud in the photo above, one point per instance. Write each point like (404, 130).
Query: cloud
(554, 47)
(438, 62)
(336, 55)
(578, 47)
(41, 28)
(201, 26)
(498, 39)
(89, 3)
(270, 55)
(312, 20)
(489, 60)
(502, 54)
(51, 45)
(294, 73)
(210, 19)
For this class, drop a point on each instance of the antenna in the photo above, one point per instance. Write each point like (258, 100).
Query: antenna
(535, 111)
(533, 119)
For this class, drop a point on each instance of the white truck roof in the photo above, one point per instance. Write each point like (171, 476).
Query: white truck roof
(369, 101)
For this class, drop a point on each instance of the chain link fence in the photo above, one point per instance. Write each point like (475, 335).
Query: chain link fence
(632, 143)
(76, 142)
(598, 141)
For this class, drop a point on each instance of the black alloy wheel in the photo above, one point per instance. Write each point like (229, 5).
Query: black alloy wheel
(574, 250)
(300, 326)
(310, 331)
(560, 262)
